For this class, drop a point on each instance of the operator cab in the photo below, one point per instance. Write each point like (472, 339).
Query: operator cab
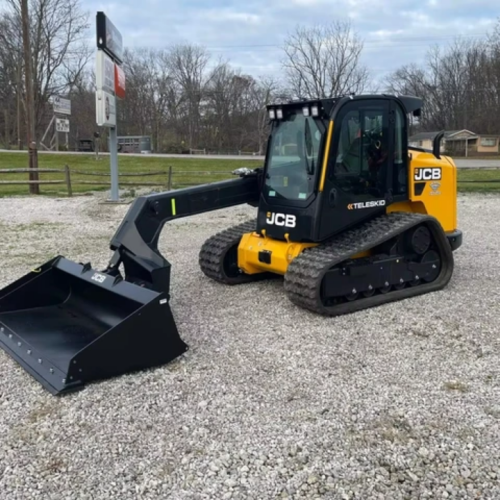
(294, 152)
(331, 163)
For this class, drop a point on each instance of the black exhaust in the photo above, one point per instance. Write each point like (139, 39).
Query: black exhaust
(68, 324)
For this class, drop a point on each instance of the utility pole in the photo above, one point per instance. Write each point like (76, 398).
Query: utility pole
(30, 101)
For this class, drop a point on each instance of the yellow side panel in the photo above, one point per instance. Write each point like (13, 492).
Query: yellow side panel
(282, 253)
(417, 207)
(439, 196)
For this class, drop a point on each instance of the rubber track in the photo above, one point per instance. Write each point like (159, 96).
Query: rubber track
(302, 281)
(214, 249)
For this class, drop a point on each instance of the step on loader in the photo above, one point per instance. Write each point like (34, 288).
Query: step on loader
(348, 213)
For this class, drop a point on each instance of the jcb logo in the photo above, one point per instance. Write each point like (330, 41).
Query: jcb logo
(281, 219)
(427, 174)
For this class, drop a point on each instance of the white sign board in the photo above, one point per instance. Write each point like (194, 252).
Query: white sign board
(105, 109)
(62, 106)
(105, 72)
(62, 125)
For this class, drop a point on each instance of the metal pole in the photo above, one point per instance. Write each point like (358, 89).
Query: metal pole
(46, 132)
(169, 182)
(113, 141)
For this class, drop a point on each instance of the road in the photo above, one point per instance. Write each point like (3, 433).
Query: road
(461, 163)
(471, 163)
(154, 155)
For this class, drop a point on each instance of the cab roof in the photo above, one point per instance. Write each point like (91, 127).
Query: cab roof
(411, 104)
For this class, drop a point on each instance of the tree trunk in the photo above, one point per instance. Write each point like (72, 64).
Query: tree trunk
(6, 113)
(18, 99)
(30, 101)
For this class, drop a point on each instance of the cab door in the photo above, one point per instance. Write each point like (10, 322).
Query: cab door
(358, 179)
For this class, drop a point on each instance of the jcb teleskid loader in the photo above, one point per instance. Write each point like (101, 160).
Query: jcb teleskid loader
(348, 213)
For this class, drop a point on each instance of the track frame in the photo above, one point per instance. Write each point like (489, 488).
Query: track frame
(310, 281)
(329, 279)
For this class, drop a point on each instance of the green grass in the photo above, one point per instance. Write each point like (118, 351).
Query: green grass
(186, 171)
(478, 180)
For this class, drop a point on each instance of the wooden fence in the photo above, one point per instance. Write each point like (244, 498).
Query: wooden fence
(167, 175)
(66, 180)
(67, 177)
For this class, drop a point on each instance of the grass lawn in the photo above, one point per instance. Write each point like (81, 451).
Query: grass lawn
(186, 171)
(479, 180)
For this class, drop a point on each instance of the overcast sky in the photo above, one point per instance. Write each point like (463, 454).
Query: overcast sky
(249, 32)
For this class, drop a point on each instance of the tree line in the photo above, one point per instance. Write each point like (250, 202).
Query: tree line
(187, 100)
(460, 85)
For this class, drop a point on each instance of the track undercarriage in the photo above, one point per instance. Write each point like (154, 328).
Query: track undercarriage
(404, 255)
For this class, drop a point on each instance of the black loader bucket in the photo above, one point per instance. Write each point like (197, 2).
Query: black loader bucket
(67, 324)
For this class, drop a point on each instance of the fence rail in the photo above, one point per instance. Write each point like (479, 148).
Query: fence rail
(65, 171)
(167, 175)
(70, 181)
(27, 170)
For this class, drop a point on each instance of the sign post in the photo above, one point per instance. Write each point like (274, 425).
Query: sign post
(63, 107)
(60, 106)
(109, 78)
(62, 125)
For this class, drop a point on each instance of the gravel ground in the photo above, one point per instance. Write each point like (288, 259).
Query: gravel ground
(401, 401)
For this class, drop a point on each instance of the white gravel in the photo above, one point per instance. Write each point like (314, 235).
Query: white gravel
(402, 401)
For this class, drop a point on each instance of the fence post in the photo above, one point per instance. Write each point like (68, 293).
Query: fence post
(169, 182)
(68, 180)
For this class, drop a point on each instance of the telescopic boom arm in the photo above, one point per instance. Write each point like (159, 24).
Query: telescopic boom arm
(135, 242)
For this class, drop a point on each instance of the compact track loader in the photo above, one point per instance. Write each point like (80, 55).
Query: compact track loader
(348, 213)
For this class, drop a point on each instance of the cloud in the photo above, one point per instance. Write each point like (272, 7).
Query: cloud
(250, 34)
(229, 16)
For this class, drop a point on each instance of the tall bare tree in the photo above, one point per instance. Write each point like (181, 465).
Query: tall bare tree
(187, 65)
(59, 49)
(11, 76)
(324, 61)
(30, 99)
(263, 93)
(460, 85)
